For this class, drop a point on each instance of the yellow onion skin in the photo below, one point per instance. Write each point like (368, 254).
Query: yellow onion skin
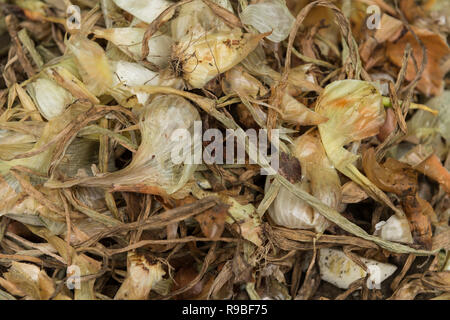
(202, 59)
(93, 64)
(354, 110)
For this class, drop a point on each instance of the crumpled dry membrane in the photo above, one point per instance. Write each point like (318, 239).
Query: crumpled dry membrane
(209, 55)
(141, 277)
(152, 169)
(269, 16)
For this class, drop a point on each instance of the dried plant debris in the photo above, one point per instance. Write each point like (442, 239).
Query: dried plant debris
(224, 149)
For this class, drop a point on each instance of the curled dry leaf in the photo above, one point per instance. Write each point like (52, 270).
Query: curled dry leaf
(390, 29)
(184, 277)
(393, 176)
(433, 168)
(352, 193)
(388, 127)
(431, 82)
(399, 178)
(29, 281)
(324, 15)
(430, 131)
(416, 284)
(212, 221)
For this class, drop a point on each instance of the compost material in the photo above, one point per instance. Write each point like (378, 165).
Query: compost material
(224, 149)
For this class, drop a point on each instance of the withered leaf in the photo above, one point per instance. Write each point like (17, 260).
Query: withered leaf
(290, 167)
(212, 221)
(399, 178)
(431, 82)
(186, 275)
(393, 176)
